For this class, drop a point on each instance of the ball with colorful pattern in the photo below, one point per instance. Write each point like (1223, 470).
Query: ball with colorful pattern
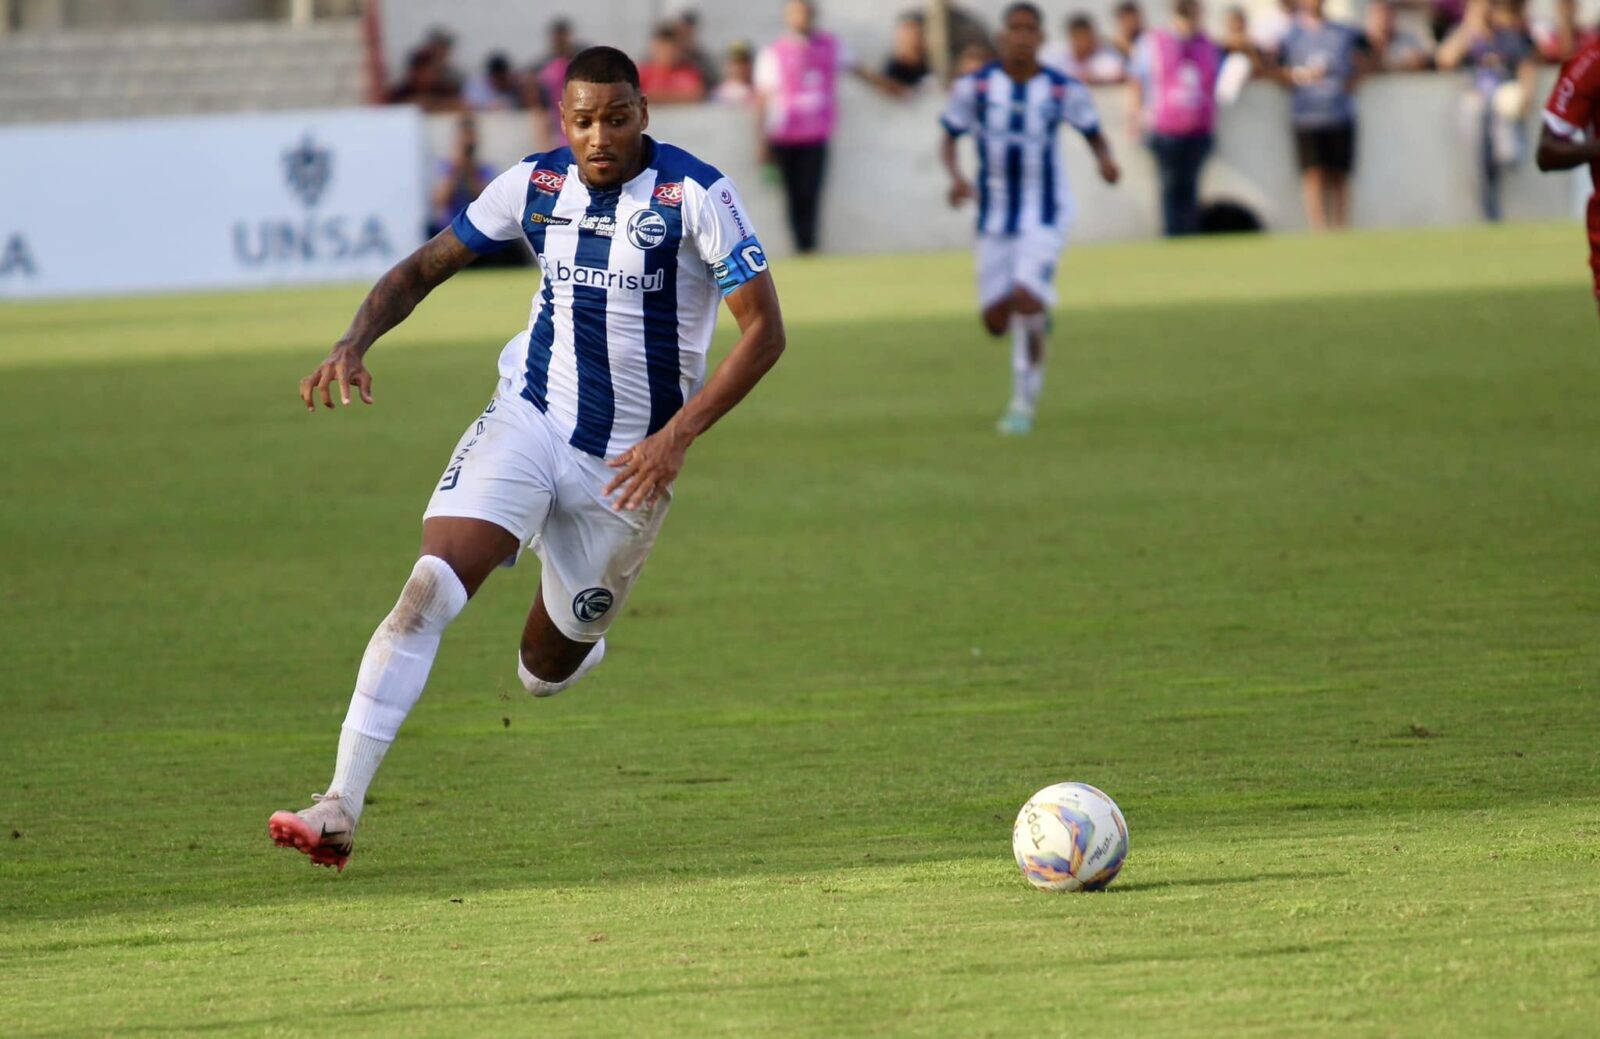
(1070, 837)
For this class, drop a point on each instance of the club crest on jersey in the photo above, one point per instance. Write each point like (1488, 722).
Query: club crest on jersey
(603, 225)
(647, 229)
(591, 604)
(548, 181)
(670, 194)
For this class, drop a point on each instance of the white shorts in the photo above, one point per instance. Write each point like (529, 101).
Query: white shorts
(1026, 261)
(513, 469)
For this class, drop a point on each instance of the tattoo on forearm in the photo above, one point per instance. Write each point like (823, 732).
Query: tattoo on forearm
(405, 285)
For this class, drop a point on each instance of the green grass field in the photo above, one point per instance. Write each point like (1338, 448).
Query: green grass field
(1301, 567)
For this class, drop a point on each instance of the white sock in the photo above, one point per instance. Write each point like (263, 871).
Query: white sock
(394, 670)
(1027, 378)
(539, 687)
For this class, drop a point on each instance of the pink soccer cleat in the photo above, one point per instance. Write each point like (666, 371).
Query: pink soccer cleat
(326, 831)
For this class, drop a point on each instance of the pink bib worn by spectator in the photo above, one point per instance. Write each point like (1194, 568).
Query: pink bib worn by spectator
(1183, 78)
(805, 104)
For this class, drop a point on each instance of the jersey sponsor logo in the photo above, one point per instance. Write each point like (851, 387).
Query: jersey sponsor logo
(548, 181)
(559, 272)
(738, 218)
(670, 194)
(647, 229)
(604, 225)
(537, 217)
(591, 604)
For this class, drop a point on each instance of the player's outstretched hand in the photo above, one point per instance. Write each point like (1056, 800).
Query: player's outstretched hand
(1110, 172)
(344, 369)
(960, 191)
(646, 469)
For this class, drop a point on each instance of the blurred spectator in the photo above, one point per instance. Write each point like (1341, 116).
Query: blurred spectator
(1447, 14)
(1172, 93)
(1561, 37)
(669, 77)
(496, 89)
(1393, 49)
(549, 74)
(1084, 56)
(441, 44)
(972, 57)
(797, 91)
(688, 26)
(1321, 62)
(1493, 42)
(460, 178)
(1270, 27)
(738, 77)
(423, 85)
(1128, 25)
(1236, 37)
(907, 64)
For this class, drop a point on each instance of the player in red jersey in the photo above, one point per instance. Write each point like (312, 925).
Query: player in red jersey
(1570, 137)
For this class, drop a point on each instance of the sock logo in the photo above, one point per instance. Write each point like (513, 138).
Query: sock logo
(591, 604)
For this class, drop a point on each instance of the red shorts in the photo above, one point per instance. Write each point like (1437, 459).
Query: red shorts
(1594, 240)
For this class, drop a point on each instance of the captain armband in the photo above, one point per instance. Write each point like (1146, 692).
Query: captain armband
(746, 261)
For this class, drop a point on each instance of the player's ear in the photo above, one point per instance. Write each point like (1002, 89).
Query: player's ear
(644, 112)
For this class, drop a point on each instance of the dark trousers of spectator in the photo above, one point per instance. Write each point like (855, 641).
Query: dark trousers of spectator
(803, 167)
(1178, 161)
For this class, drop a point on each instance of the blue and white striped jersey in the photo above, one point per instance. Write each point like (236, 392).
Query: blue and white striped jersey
(633, 279)
(1021, 184)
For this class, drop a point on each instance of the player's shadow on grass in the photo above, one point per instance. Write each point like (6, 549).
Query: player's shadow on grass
(1131, 886)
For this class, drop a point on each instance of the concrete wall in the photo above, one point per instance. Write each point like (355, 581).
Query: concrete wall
(886, 188)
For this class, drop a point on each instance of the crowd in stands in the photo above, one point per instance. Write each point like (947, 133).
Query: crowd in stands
(1319, 61)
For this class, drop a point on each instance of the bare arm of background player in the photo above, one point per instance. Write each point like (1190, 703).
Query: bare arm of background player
(391, 300)
(649, 467)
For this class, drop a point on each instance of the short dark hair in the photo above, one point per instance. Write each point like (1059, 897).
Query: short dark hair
(602, 65)
(498, 64)
(1022, 8)
(1079, 22)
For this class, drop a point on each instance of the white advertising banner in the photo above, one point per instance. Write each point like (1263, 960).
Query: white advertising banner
(209, 201)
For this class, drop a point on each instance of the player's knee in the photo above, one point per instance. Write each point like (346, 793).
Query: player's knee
(996, 319)
(431, 599)
(544, 675)
(1025, 302)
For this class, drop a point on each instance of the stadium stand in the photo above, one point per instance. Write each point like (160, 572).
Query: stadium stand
(75, 74)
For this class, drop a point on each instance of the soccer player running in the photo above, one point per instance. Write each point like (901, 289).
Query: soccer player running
(1013, 108)
(599, 398)
(1571, 136)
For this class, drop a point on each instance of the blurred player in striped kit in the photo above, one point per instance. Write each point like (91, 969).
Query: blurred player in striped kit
(1013, 108)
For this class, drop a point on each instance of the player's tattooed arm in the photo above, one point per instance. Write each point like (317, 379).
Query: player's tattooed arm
(646, 470)
(390, 302)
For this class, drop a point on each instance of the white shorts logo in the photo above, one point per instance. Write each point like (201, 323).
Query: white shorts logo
(591, 604)
(646, 229)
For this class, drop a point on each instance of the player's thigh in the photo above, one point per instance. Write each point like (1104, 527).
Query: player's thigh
(996, 257)
(592, 556)
(499, 475)
(1038, 255)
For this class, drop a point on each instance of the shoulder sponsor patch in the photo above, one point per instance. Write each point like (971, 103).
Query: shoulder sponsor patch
(733, 210)
(670, 194)
(548, 181)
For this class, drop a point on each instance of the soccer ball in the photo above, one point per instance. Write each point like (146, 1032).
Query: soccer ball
(1070, 837)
